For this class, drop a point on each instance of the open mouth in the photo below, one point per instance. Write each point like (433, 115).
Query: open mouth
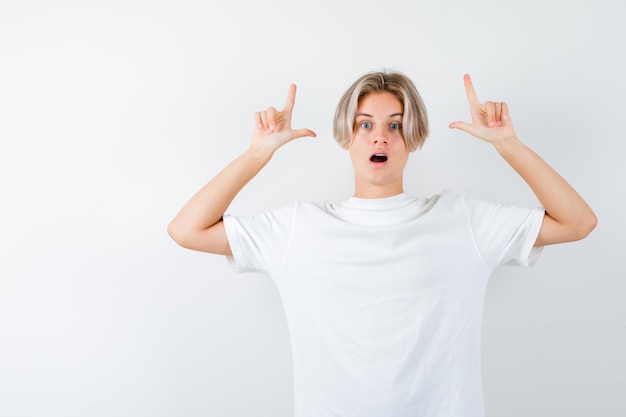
(378, 157)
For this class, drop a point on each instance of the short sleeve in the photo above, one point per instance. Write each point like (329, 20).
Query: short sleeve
(259, 242)
(505, 234)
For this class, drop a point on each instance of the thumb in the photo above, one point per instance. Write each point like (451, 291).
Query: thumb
(303, 132)
(465, 127)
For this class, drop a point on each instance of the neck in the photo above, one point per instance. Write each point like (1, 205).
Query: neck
(375, 191)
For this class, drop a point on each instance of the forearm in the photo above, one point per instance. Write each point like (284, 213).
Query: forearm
(209, 204)
(568, 217)
(563, 205)
(198, 225)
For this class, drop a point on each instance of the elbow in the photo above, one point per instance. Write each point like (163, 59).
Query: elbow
(176, 233)
(585, 226)
(590, 223)
(210, 240)
(577, 228)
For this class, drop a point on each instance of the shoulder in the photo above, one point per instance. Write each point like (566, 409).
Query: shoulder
(447, 200)
(460, 201)
(297, 209)
(473, 209)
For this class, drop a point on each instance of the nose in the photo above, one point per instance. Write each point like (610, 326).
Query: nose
(379, 137)
(380, 140)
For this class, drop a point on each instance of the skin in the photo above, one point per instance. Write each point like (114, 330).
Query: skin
(378, 129)
(568, 217)
(199, 224)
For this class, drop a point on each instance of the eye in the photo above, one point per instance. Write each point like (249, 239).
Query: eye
(395, 126)
(365, 125)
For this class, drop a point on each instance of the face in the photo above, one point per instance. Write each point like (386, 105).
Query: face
(377, 150)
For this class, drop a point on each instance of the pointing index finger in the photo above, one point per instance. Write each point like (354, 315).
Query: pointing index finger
(291, 99)
(469, 90)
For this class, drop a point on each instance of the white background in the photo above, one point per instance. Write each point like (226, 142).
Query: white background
(113, 113)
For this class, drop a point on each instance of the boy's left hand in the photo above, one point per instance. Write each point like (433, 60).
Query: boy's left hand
(490, 120)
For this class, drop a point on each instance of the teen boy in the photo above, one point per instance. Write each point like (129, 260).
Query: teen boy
(383, 292)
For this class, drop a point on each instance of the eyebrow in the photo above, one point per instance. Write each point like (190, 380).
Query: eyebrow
(369, 115)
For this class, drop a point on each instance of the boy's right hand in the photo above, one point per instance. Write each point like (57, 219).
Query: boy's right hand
(273, 128)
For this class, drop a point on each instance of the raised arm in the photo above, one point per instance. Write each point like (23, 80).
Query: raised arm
(199, 225)
(568, 217)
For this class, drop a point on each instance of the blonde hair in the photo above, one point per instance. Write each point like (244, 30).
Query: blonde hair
(414, 120)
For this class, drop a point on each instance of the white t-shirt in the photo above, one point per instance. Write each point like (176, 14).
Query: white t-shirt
(384, 297)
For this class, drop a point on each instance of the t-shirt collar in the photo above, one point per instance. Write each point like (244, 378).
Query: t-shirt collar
(386, 203)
